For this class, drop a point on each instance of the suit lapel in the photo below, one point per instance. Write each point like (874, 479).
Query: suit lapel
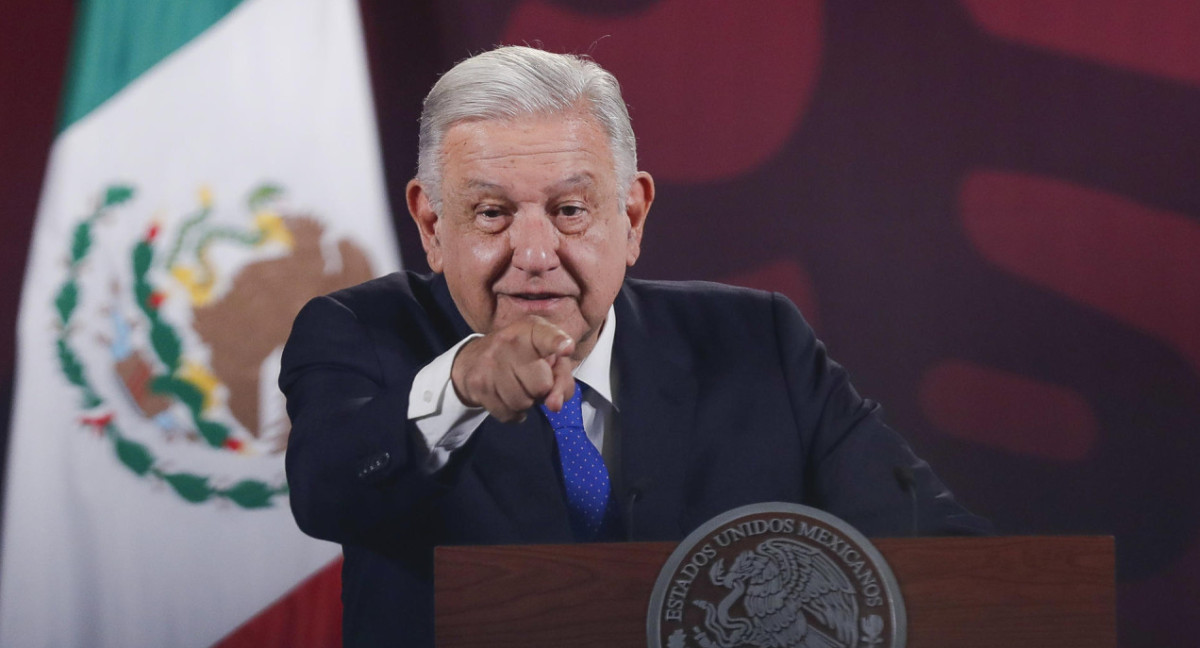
(515, 462)
(446, 313)
(656, 398)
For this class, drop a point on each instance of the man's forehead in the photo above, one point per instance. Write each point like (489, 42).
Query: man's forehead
(575, 182)
(527, 135)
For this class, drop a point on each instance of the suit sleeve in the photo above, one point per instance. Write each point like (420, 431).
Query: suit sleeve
(852, 456)
(353, 459)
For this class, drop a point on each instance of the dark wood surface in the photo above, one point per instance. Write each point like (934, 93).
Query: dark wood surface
(1030, 592)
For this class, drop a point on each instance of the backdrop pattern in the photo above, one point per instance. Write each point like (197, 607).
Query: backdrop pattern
(988, 208)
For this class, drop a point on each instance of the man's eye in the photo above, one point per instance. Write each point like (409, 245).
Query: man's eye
(571, 210)
(491, 219)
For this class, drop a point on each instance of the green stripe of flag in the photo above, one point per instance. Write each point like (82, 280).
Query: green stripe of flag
(116, 41)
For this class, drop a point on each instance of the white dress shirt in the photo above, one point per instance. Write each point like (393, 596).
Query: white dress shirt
(446, 424)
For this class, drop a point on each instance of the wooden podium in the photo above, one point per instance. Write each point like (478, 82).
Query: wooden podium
(1004, 592)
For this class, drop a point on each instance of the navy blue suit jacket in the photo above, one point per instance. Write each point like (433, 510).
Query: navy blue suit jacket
(725, 398)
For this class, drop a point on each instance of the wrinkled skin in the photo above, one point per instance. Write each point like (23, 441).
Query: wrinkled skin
(534, 237)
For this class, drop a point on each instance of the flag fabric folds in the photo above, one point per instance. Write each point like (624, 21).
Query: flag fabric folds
(217, 166)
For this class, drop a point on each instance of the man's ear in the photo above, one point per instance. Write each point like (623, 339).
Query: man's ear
(426, 218)
(637, 207)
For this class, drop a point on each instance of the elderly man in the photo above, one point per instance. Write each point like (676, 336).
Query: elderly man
(529, 392)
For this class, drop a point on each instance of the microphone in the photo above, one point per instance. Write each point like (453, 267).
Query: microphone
(908, 483)
(633, 494)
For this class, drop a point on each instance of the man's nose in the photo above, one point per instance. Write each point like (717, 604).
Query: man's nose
(535, 243)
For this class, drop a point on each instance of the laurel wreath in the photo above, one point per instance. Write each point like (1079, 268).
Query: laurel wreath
(194, 488)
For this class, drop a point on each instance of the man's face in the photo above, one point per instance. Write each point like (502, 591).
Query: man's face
(532, 222)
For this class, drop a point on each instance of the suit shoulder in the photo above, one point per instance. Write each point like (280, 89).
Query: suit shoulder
(387, 296)
(397, 285)
(701, 310)
(404, 302)
(702, 293)
(400, 314)
(703, 299)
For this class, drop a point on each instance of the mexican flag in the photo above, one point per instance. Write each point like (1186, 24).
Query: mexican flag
(217, 166)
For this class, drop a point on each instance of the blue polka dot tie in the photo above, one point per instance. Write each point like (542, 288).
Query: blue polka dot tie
(585, 476)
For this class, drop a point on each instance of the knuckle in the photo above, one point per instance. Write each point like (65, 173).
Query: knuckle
(521, 401)
(542, 382)
(476, 384)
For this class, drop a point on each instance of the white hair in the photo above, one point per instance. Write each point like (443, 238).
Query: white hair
(515, 81)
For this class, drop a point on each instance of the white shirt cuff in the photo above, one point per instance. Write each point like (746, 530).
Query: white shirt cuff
(445, 423)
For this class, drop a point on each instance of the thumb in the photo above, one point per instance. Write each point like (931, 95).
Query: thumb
(549, 341)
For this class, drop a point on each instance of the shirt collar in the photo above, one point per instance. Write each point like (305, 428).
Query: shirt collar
(596, 369)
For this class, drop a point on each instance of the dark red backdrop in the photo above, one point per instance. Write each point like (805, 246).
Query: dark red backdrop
(988, 208)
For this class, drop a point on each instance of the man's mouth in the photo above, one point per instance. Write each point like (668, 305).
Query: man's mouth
(535, 302)
(535, 296)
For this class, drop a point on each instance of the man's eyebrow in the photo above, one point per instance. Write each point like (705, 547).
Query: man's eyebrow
(584, 179)
(483, 185)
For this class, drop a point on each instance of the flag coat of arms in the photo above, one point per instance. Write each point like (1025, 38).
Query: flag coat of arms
(217, 166)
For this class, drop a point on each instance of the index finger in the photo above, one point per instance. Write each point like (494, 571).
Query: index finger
(564, 384)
